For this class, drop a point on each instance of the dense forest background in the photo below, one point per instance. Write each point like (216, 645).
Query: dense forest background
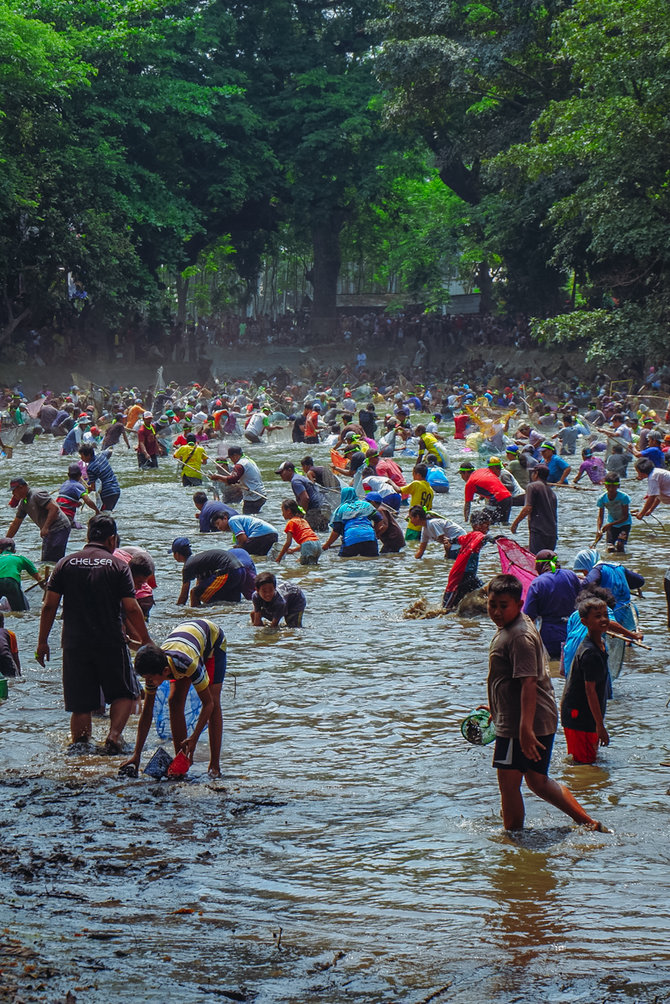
(159, 156)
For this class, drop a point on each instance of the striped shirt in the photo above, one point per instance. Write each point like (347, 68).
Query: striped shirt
(188, 648)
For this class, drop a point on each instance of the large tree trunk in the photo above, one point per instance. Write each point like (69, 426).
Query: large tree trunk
(327, 261)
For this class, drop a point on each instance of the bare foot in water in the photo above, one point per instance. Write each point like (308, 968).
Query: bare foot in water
(596, 827)
(214, 771)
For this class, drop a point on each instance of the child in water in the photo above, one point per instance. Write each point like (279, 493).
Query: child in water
(585, 696)
(298, 529)
(273, 600)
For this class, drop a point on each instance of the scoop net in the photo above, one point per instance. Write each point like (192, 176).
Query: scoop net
(516, 560)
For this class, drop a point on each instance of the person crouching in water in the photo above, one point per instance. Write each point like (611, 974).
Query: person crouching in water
(463, 576)
(273, 600)
(298, 529)
(194, 653)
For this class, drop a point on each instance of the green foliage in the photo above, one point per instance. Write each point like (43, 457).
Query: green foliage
(407, 238)
(630, 334)
(470, 79)
(601, 153)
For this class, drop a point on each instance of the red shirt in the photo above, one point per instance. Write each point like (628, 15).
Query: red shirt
(485, 482)
(389, 469)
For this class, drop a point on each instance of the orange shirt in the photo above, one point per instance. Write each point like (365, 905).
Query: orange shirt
(300, 530)
(133, 414)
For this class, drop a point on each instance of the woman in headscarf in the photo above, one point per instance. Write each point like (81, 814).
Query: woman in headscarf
(353, 522)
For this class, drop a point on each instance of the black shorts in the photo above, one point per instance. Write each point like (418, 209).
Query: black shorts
(54, 544)
(251, 506)
(620, 532)
(88, 672)
(108, 502)
(260, 545)
(362, 549)
(508, 755)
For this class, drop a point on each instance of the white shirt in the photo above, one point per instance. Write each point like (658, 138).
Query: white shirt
(658, 484)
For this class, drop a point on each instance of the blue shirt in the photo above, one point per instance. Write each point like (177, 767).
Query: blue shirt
(100, 469)
(300, 484)
(211, 511)
(250, 525)
(615, 508)
(556, 467)
(656, 455)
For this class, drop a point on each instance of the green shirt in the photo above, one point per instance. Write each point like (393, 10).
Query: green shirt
(11, 566)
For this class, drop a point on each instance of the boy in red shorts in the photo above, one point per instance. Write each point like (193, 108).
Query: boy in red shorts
(585, 696)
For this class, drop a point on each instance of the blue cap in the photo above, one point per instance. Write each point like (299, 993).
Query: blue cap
(512, 448)
(373, 497)
(180, 545)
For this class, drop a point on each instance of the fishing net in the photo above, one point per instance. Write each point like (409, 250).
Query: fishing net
(478, 727)
(516, 560)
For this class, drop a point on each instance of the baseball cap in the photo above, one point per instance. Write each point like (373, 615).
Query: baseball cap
(18, 483)
(285, 466)
(548, 446)
(495, 462)
(512, 448)
(180, 545)
(148, 414)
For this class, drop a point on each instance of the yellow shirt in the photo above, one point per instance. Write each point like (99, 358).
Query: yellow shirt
(420, 493)
(196, 457)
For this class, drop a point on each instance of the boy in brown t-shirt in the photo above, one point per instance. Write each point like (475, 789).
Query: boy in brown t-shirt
(523, 708)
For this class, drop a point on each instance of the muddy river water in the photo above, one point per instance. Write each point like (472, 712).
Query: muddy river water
(353, 850)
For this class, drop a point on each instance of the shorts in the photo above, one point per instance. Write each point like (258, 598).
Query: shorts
(87, 671)
(499, 509)
(190, 482)
(310, 552)
(252, 437)
(55, 544)
(508, 755)
(294, 620)
(362, 549)
(259, 545)
(318, 517)
(108, 502)
(15, 595)
(412, 534)
(145, 463)
(582, 746)
(615, 533)
(226, 587)
(216, 664)
(251, 506)
(539, 541)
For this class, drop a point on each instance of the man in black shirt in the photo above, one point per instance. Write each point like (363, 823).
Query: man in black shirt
(97, 588)
(541, 508)
(219, 574)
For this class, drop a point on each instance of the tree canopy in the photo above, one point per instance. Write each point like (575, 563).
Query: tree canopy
(525, 140)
